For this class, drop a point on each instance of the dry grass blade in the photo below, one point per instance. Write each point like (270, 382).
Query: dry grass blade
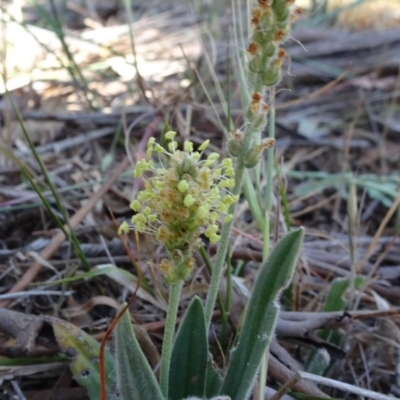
(345, 387)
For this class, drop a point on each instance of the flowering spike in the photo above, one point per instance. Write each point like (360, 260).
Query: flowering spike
(182, 200)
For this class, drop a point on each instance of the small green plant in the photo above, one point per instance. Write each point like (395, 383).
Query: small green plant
(179, 202)
(188, 193)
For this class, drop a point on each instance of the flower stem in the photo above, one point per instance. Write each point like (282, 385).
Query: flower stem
(270, 171)
(226, 228)
(268, 207)
(173, 304)
(240, 168)
(222, 249)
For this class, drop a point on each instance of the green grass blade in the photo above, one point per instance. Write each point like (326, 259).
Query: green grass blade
(55, 24)
(68, 233)
(317, 362)
(110, 270)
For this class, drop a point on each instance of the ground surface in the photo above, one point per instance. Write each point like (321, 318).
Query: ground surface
(85, 108)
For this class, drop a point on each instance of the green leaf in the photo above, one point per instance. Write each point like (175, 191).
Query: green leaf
(334, 301)
(317, 363)
(85, 362)
(262, 311)
(187, 376)
(135, 379)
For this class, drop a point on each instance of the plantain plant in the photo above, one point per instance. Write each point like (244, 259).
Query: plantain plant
(186, 194)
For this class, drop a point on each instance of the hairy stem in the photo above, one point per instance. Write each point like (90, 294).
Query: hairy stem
(226, 229)
(266, 232)
(173, 303)
(221, 252)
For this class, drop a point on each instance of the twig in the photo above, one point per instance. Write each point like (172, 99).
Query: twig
(346, 387)
(17, 390)
(16, 295)
(58, 147)
(315, 94)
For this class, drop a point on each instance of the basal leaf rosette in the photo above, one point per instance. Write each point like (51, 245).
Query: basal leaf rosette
(182, 200)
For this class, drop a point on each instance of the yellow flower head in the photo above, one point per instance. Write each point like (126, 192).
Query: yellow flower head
(182, 200)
